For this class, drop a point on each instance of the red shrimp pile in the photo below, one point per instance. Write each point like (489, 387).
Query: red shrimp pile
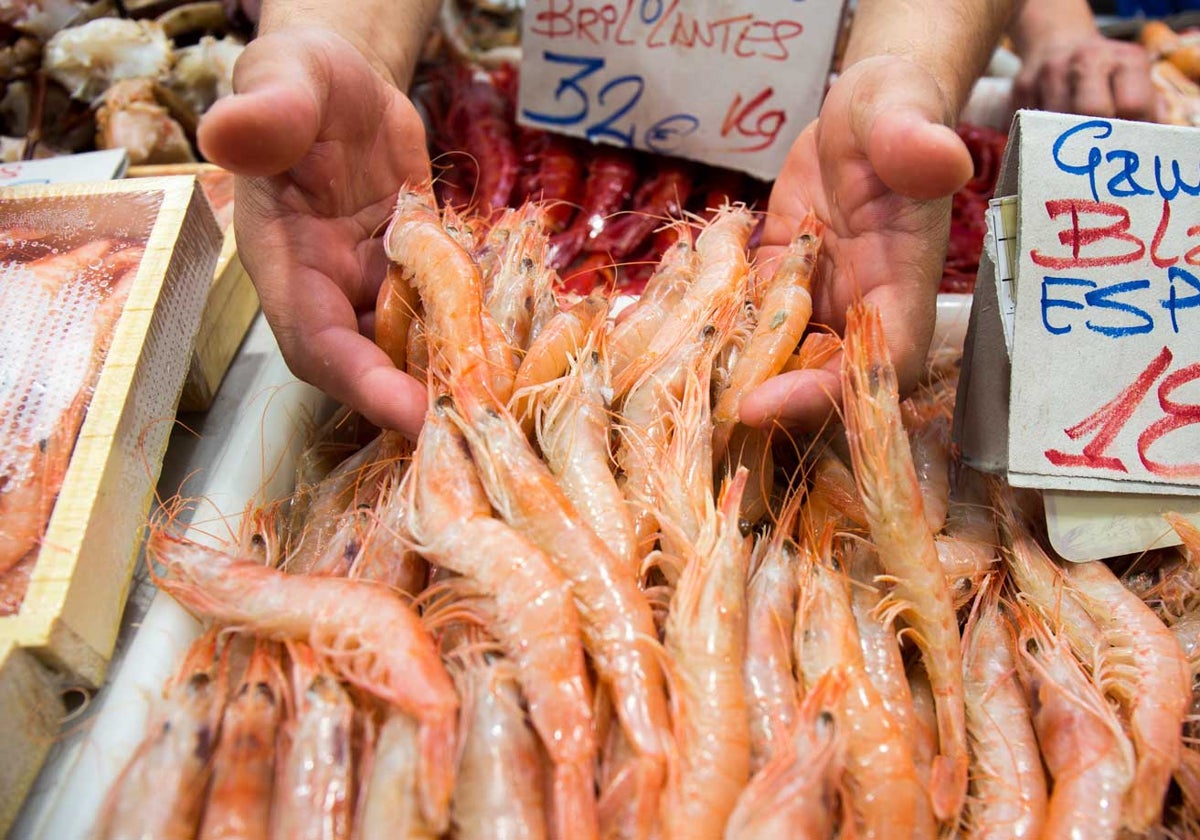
(970, 206)
(607, 206)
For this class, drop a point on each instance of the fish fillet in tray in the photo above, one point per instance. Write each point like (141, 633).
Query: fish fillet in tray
(101, 287)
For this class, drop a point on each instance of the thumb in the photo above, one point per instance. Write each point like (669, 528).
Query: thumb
(272, 120)
(901, 124)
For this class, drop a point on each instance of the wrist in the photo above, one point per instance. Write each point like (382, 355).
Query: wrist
(873, 82)
(388, 34)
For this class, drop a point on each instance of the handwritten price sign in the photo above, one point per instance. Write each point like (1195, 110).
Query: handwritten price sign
(1105, 387)
(726, 83)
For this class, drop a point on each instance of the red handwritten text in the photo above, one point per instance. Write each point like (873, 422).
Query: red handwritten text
(751, 120)
(667, 25)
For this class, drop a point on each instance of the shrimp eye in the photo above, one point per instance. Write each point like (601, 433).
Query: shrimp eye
(709, 331)
(493, 413)
(806, 238)
(445, 401)
(746, 527)
(258, 541)
(825, 721)
(1031, 645)
(527, 264)
(595, 358)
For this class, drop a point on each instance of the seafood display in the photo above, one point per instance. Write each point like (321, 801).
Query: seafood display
(62, 297)
(588, 602)
(77, 76)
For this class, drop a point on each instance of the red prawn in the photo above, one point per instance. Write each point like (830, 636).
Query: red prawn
(610, 179)
(551, 171)
(660, 198)
(969, 207)
(479, 122)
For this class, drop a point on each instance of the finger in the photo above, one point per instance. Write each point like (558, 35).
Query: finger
(913, 152)
(908, 314)
(798, 399)
(352, 369)
(318, 334)
(1091, 88)
(1054, 89)
(274, 115)
(1133, 91)
(1024, 89)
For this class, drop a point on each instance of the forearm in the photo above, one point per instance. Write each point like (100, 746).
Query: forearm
(389, 33)
(1061, 19)
(951, 39)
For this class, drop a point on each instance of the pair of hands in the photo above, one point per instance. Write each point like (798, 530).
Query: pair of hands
(322, 142)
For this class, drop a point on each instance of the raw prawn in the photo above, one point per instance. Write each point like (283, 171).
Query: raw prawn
(391, 804)
(1008, 786)
(782, 319)
(361, 631)
(553, 175)
(607, 187)
(395, 310)
(314, 787)
(498, 793)
(796, 794)
(618, 627)
(534, 617)
(888, 486)
(721, 281)
(771, 592)
(706, 639)
(448, 281)
(160, 793)
(478, 121)
(243, 762)
(573, 432)
(877, 639)
(549, 356)
(1148, 675)
(641, 322)
(1088, 756)
(660, 199)
(519, 277)
(885, 796)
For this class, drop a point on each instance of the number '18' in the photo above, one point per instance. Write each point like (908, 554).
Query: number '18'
(1110, 419)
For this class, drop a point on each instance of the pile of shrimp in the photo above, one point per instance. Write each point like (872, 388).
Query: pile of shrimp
(588, 602)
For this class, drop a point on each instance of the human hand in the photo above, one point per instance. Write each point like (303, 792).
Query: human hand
(1087, 74)
(321, 141)
(877, 168)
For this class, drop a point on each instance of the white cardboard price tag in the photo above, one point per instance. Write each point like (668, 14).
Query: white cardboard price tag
(1099, 405)
(103, 165)
(722, 82)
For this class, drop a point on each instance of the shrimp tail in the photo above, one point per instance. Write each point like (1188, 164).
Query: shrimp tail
(574, 800)
(437, 745)
(947, 781)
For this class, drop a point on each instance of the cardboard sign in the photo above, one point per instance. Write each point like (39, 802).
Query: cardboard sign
(86, 167)
(730, 84)
(1082, 360)
(1105, 343)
